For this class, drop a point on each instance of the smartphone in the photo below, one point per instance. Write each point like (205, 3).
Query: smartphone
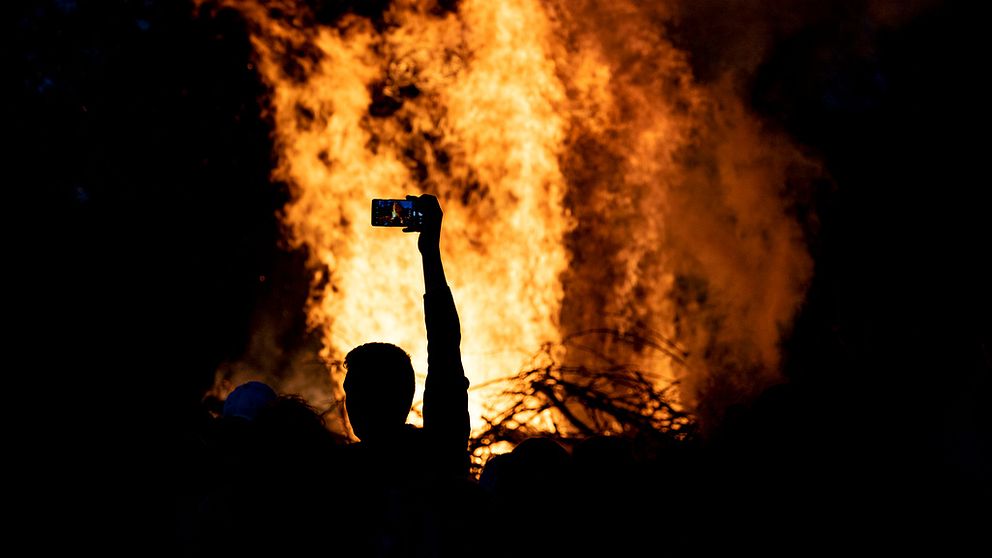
(395, 213)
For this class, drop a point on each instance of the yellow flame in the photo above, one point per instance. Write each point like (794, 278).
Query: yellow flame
(488, 93)
(586, 180)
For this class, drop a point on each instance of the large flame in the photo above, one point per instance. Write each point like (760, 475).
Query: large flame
(587, 182)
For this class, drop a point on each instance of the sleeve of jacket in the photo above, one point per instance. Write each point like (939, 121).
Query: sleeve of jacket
(446, 421)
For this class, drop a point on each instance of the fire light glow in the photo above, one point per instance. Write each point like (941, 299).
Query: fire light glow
(588, 181)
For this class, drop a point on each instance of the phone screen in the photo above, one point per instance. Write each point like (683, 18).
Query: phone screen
(395, 213)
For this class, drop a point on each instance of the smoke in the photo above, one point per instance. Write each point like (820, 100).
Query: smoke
(684, 204)
(598, 166)
(280, 349)
(732, 38)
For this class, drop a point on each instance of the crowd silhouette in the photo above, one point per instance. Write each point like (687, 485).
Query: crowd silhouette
(147, 248)
(267, 477)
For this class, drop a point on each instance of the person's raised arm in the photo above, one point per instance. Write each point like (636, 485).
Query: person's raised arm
(429, 244)
(446, 421)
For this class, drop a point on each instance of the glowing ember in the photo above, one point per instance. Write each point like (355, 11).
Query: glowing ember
(587, 182)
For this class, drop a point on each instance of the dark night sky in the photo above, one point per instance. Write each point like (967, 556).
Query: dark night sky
(145, 215)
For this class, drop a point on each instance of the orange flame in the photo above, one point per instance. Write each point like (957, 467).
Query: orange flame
(587, 181)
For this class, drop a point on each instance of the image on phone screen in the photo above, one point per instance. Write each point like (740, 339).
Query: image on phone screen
(394, 213)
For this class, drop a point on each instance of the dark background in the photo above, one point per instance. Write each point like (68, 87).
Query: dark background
(143, 220)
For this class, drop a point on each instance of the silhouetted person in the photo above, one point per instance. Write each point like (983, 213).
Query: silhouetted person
(537, 465)
(234, 436)
(406, 482)
(531, 481)
(247, 400)
(292, 495)
(274, 486)
(611, 502)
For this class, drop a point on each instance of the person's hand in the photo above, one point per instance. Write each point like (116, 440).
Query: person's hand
(430, 230)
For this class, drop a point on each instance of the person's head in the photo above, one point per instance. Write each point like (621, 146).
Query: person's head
(247, 400)
(378, 388)
(290, 424)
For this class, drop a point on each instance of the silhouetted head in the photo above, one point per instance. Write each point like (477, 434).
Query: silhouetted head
(378, 388)
(536, 466)
(288, 424)
(247, 400)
